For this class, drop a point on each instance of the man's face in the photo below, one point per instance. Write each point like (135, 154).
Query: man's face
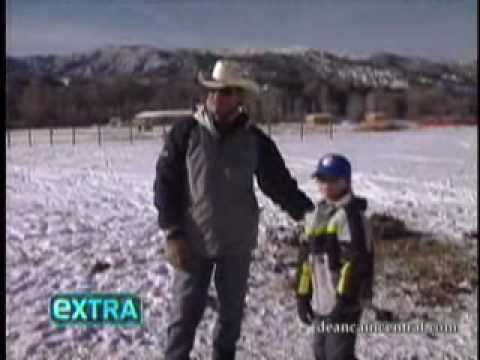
(333, 189)
(223, 102)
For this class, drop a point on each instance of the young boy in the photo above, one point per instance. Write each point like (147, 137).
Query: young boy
(335, 274)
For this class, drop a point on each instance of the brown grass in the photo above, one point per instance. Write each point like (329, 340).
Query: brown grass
(431, 270)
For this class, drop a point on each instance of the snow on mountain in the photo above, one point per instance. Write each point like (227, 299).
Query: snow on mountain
(380, 70)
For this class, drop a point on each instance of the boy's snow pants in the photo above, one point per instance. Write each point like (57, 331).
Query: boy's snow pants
(189, 299)
(331, 345)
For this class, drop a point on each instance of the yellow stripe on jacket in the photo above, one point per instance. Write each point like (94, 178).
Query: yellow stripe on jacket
(325, 230)
(345, 282)
(304, 285)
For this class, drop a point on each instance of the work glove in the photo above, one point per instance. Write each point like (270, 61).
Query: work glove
(304, 309)
(177, 251)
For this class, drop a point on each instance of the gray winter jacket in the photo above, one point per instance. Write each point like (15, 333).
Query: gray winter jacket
(223, 214)
(204, 184)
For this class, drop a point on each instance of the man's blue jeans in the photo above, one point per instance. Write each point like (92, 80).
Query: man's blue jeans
(189, 297)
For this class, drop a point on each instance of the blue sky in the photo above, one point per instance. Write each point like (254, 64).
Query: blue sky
(438, 29)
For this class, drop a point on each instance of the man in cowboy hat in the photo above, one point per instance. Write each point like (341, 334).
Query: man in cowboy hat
(206, 204)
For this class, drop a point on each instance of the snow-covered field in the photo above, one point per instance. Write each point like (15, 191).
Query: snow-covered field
(69, 206)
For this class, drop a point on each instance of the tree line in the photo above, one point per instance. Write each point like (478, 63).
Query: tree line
(48, 102)
(41, 102)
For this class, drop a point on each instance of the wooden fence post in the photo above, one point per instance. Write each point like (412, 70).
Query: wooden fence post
(301, 130)
(29, 137)
(73, 135)
(51, 136)
(99, 135)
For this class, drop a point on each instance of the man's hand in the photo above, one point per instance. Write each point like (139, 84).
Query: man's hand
(304, 309)
(177, 252)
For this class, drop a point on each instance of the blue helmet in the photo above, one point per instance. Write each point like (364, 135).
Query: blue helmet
(333, 167)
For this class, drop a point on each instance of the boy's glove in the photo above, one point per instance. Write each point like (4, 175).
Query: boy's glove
(177, 252)
(304, 309)
(304, 285)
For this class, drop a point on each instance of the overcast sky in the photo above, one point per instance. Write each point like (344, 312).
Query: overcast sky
(438, 29)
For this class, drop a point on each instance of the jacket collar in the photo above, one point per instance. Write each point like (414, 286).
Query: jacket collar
(349, 199)
(344, 200)
(206, 119)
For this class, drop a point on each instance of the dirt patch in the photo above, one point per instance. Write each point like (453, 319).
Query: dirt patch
(432, 272)
(386, 227)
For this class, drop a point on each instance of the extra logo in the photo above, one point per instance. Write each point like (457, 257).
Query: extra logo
(93, 309)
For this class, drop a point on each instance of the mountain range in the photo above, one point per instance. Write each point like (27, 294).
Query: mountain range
(295, 67)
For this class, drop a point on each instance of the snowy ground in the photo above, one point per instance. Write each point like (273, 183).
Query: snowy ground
(68, 206)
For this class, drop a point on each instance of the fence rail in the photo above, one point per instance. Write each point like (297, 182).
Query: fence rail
(105, 134)
(79, 135)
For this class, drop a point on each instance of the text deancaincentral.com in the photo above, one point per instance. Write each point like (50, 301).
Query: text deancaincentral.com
(386, 327)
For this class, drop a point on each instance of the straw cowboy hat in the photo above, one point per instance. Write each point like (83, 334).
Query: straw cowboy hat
(229, 73)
